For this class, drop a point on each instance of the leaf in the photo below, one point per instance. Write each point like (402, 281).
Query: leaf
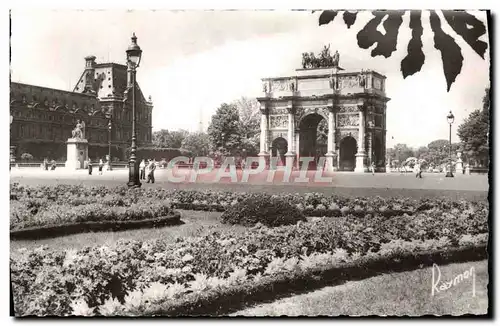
(350, 18)
(459, 21)
(386, 43)
(327, 16)
(413, 62)
(450, 51)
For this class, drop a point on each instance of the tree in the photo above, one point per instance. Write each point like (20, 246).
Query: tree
(224, 131)
(26, 157)
(399, 153)
(249, 124)
(198, 143)
(464, 24)
(421, 152)
(439, 152)
(169, 139)
(473, 133)
(322, 133)
(176, 138)
(160, 137)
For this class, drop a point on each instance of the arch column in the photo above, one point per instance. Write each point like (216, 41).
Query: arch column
(290, 155)
(370, 148)
(330, 155)
(264, 131)
(361, 154)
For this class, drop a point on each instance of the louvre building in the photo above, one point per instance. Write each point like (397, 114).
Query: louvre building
(43, 118)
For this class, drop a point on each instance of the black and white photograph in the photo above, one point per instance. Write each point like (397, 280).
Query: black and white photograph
(250, 163)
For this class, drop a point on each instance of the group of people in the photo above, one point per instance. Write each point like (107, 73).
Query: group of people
(147, 170)
(90, 166)
(46, 165)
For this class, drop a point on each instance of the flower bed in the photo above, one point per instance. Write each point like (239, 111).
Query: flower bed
(26, 215)
(174, 218)
(157, 277)
(45, 210)
(311, 204)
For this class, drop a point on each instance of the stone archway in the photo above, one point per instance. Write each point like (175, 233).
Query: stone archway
(312, 141)
(279, 148)
(348, 149)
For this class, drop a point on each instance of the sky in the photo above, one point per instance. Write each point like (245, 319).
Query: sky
(195, 60)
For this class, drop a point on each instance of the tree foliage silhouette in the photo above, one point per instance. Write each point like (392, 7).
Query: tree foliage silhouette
(464, 24)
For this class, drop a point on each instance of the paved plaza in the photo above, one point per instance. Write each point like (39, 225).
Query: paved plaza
(470, 187)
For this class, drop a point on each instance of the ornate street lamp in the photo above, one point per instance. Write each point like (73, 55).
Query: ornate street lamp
(11, 147)
(134, 54)
(451, 118)
(109, 145)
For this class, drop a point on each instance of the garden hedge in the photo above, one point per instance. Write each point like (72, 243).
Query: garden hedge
(66, 229)
(267, 210)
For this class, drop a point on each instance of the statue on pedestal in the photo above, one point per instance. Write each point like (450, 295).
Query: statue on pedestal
(326, 59)
(336, 58)
(79, 131)
(323, 60)
(362, 79)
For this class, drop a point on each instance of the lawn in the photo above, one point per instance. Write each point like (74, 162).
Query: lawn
(400, 294)
(197, 223)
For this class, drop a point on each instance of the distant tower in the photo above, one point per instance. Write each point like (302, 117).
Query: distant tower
(200, 126)
(89, 73)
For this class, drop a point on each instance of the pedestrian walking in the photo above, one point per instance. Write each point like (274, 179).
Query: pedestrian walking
(372, 168)
(151, 171)
(90, 166)
(142, 168)
(53, 165)
(418, 171)
(101, 164)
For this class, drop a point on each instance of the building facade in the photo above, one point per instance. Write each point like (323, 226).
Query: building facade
(43, 118)
(353, 104)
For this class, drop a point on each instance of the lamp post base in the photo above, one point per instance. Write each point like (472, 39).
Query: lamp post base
(133, 185)
(133, 177)
(449, 174)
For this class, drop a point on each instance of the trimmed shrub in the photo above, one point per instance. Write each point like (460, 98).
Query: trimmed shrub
(267, 210)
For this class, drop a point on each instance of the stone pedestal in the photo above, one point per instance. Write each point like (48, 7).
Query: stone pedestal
(360, 163)
(459, 166)
(77, 153)
(331, 160)
(264, 159)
